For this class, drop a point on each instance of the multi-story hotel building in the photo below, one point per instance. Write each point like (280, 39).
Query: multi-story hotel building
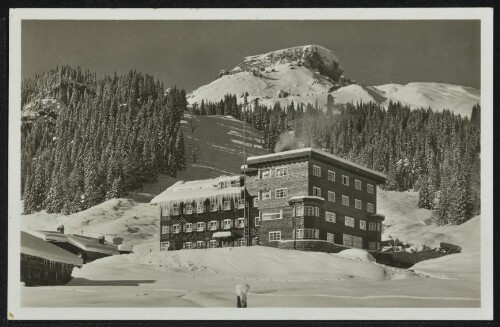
(296, 195)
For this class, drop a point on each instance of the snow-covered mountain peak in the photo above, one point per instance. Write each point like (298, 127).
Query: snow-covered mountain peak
(314, 57)
(312, 73)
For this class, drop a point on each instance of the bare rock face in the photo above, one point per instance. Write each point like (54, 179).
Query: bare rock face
(283, 94)
(222, 73)
(314, 57)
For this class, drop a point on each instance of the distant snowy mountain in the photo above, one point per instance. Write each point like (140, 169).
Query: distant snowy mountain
(308, 74)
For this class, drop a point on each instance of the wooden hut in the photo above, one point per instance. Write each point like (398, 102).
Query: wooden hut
(43, 263)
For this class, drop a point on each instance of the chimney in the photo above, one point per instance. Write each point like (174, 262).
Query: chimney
(101, 239)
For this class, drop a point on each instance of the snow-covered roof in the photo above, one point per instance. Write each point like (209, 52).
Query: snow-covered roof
(34, 246)
(378, 176)
(50, 235)
(192, 191)
(92, 245)
(85, 243)
(306, 197)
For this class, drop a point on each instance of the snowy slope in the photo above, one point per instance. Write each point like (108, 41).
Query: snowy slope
(410, 224)
(438, 96)
(308, 84)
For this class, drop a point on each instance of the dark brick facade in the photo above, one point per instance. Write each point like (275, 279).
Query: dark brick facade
(296, 183)
(300, 181)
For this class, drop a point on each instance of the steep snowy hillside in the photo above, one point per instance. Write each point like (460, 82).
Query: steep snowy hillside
(300, 74)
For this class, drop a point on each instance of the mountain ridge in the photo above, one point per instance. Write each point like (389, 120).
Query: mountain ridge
(303, 74)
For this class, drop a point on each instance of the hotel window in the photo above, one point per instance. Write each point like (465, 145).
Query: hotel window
(331, 216)
(257, 221)
(345, 200)
(200, 245)
(281, 171)
(345, 180)
(362, 224)
(241, 242)
(265, 173)
(280, 193)
(369, 188)
(214, 224)
(369, 207)
(352, 241)
(241, 203)
(372, 226)
(311, 233)
(213, 243)
(227, 205)
(299, 233)
(213, 206)
(189, 209)
(316, 211)
(357, 204)
(379, 227)
(187, 245)
(200, 226)
(331, 176)
(228, 223)
(175, 210)
(357, 242)
(164, 246)
(308, 211)
(357, 184)
(372, 246)
(241, 222)
(164, 229)
(331, 196)
(176, 228)
(265, 195)
(349, 221)
(316, 170)
(316, 191)
(272, 216)
(330, 237)
(189, 228)
(255, 202)
(275, 236)
(200, 208)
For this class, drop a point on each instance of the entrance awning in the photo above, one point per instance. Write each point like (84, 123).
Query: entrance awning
(222, 234)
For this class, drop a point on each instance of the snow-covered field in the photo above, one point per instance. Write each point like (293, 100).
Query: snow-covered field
(278, 278)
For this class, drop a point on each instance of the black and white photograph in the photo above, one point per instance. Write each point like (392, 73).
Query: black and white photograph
(298, 164)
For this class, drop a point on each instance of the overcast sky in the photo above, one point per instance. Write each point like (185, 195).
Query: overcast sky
(191, 53)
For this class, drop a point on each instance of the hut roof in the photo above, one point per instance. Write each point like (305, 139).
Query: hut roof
(85, 243)
(34, 246)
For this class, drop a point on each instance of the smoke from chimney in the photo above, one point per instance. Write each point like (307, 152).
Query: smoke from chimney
(286, 142)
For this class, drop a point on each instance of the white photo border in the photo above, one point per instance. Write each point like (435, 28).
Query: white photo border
(485, 312)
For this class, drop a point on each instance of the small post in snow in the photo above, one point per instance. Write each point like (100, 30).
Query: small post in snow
(241, 295)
